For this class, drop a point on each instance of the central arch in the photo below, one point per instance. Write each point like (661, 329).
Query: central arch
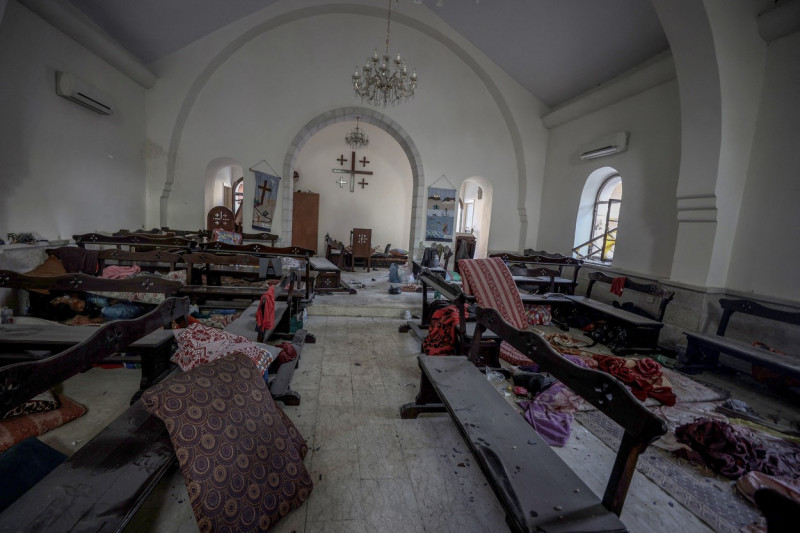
(223, 55)
(368, 116)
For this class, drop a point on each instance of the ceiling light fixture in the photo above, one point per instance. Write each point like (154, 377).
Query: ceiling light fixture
(381, 86)
(357, 138)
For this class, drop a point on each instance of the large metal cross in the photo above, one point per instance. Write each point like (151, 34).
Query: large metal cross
(352, 171)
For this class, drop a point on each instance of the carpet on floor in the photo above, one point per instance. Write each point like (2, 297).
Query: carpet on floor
(713, 500)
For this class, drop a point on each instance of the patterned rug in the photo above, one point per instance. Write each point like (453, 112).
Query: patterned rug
(713, 500)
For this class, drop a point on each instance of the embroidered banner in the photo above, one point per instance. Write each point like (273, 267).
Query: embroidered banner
(440, 214)
(264, 200)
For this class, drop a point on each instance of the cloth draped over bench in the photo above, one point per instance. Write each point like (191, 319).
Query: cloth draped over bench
(490, 281)
(240, 455)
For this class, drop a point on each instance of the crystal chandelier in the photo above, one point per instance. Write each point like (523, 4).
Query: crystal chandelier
(380, 86)
(357, 138)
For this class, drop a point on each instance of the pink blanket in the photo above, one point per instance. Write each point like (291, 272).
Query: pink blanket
(120, 272)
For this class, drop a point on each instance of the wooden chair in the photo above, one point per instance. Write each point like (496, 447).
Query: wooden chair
(361, 246)
(220, 217)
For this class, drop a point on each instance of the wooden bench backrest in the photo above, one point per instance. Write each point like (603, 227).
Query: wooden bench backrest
(136, 258)
(335, 252)
(543, 253)
(555, 261)
(287, 281)
(750, 307)
(24, 380)
(654, 289)
(271, 237)
(602, 390)
(134, 241)
(85, 283)
(256, 248)
(196, 234)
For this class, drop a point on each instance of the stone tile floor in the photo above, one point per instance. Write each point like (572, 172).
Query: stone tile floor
(372, 471)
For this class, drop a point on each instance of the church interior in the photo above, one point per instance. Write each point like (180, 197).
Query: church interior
(611, 179)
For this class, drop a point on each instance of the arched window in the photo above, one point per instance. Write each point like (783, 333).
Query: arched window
(605, 220)
(238, 199)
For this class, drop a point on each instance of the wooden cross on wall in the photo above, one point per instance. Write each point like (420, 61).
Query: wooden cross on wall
(264, 190)
(352, 171)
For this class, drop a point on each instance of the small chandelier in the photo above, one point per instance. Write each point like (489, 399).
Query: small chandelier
(356, 138)
(380, 86)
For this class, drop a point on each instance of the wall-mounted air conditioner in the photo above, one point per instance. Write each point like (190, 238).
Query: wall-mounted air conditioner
(79, 92)
(607, 145)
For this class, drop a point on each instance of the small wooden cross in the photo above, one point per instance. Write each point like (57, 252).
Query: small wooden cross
(341, 182)
(362, 183)
(341, 159)
(364, 161)
(264, 190)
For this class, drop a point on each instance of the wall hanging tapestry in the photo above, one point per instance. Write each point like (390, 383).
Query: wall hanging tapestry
(264, 200)
(441, 213)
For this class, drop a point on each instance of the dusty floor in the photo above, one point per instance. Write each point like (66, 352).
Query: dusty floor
(373, 471)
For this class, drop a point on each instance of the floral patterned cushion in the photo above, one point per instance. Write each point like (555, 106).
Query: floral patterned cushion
(241, 457)
(199, 344)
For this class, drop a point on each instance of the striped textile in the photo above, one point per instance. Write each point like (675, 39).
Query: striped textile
(490, 281)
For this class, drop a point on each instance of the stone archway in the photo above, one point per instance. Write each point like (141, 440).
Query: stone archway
(367, 116)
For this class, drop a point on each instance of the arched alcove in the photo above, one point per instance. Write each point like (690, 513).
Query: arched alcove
(375, 118)
(220, 171)
(480, 192)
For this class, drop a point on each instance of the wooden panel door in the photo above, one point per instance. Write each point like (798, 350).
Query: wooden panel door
(305, 220)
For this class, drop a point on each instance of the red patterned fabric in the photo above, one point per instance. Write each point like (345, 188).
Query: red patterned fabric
(441, 337)
(643, 376)
(199, 345)
(19, 428)
(265, 314)
(490, 281)
(288, 353)
(617, 285)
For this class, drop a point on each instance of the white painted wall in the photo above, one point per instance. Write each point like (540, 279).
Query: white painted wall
(383, 205)
(649, 171)
(65, 169)
(261, 92)
(766, 254)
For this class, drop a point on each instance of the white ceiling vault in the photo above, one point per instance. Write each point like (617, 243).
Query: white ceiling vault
(555, 49)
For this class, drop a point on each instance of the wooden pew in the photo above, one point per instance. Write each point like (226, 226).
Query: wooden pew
(537, 489)
(137, 242)
(336, 252)
(279, 380)
(526, 265)
(703, 350)
(328, 276)
(20, 342)
(155, 260)
(451, 293)
(642, 328)
(102, 486)
(304, 282)
(215, 265)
